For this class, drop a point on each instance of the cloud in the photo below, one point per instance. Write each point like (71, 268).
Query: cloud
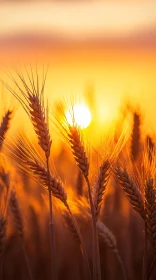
(78, 20)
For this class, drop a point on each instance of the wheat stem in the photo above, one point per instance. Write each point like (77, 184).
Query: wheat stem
(3, 228)
(124, 274)
(144, 268)
(150, 207)
(1, 269)
(96, 255)
(27, 261)
(80, 156)
(151, 269)
(51, 228)
(81, 240)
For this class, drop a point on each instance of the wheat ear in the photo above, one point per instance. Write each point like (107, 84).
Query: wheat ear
(40, 126)
(110, 240)
(78, 150)
(130, 190)
(150, 148)
(27, 160)
(70, 226)
(100, 186)
(4, 126)
(135, 140)
(15, 210)
(41, 173)
(31, 97)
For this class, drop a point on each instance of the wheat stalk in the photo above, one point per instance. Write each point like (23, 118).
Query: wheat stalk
(3, 223)
(150, 208)
(33, 103)
(72, 224)
(80, 156)
(130, 189)
(100, 186)
(73, 227)
(72, 134)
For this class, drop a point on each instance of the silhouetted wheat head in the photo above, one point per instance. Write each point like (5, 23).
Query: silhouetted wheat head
(31, 96)
(26, 158)
(130, 189)
(16, 212)
(100, 186)
(135, 138)
(4, 126)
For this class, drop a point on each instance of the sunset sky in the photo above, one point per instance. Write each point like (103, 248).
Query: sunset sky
(108, 46)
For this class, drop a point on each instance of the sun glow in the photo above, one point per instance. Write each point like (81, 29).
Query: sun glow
(80, 115)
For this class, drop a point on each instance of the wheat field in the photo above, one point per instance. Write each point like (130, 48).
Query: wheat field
(71, 209)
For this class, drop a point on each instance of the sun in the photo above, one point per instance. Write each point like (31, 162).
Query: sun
(80, 115)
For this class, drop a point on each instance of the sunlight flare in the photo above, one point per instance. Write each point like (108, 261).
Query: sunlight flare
(80, 115)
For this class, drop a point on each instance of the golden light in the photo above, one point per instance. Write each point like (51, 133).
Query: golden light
(108, 113)
(80, 115)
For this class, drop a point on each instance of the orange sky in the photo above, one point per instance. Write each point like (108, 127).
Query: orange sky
(117, 67)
